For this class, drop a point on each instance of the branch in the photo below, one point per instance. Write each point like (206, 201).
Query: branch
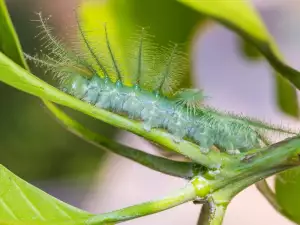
(212, 213)
(184, 195)
(217, 214)
(266, 191)
(170, 167)
(204, 215)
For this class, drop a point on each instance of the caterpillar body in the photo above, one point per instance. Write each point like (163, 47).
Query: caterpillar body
(205, 127)
(157, 105)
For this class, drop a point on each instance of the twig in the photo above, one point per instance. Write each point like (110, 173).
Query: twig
(167, 166)
(186, 194)
(267, 192)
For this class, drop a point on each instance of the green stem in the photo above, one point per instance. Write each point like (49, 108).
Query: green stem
(170, 167)
(218, 192)
(217, 214)
(184, 195)
(262, 162)
(204, 215)
(266, 191)
(9, 42)
(213, 212)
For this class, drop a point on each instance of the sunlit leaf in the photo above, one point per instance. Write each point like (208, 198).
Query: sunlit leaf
(9, 43)
(287, 187)
(241, 17)
(126, 17)
(249, 51)
(24, 204)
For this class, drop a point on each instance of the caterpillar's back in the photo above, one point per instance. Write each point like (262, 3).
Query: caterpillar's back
(152, 96)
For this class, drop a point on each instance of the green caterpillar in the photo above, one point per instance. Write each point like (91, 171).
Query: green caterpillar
(150, 99)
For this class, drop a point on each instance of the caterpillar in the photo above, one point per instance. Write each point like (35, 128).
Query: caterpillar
(152, 97)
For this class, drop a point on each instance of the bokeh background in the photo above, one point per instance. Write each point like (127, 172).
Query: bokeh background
(35, 147)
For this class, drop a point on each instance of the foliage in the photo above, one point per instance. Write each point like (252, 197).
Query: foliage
(61, 149)
(208, 183)
(21, 203)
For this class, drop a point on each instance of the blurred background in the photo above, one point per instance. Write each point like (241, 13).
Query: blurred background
(35, 147)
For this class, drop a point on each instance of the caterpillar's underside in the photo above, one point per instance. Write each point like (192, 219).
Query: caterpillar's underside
(157, 105)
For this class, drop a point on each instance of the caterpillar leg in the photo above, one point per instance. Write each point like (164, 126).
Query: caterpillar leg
(152, 122)
(214, 173)
(91, 96)
(178, 132)
(151, 116)
(176, 138)
(76, 86)
(204, 150)
(104, 100)
(132, 106)
(147, 126)
(205, 143)
(118, 101)
(233, 151)
(230, 148)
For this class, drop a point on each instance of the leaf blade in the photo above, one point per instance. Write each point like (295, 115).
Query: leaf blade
(287, 185)
(241, 17)
(22, 203)
(126, 17)
(9, 43)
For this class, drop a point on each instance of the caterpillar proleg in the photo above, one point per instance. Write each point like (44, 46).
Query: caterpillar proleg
(152, 97)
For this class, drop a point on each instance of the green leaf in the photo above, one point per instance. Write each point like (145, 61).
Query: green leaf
(249, 51)
(241, 17)
(9, 43)
(287, 186)
(11, 47)
(125, 17)
(286, 96)
(21, 203)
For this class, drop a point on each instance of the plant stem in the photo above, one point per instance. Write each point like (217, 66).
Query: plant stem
(10, 44)
(204, 215)
(212, 213)
(186, 194)
(266, 191)
(167, 166)
(218, 214)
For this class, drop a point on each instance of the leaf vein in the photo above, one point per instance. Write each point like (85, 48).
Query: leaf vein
(6, 207)
(28, 202)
